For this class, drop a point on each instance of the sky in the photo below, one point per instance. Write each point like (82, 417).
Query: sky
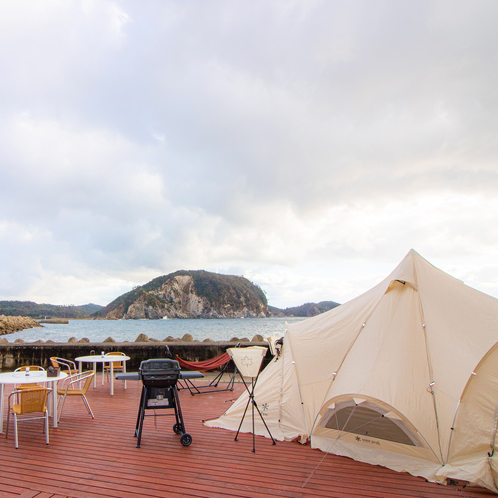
(306, 145)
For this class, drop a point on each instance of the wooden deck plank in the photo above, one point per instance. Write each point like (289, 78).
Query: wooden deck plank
(95, 458)
(29, 494)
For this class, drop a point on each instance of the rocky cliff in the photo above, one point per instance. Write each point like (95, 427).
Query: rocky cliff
(190, 294)
(9, 324)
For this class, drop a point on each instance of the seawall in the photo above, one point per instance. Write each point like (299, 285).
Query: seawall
(13, 355)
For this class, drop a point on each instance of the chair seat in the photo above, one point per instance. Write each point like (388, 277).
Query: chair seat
(70, 392)
(17, 409)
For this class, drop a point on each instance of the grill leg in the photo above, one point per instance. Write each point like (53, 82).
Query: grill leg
(141, 415)
(178, 410)
(139, 410)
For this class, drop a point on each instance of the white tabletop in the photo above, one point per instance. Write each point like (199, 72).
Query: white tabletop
(97, 358)
(32, 378)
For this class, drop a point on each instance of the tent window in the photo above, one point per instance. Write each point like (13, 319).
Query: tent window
(367, 422)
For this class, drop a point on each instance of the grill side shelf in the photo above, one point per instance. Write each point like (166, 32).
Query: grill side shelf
(136, 375)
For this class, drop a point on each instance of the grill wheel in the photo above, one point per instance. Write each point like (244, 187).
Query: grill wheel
(185, 439)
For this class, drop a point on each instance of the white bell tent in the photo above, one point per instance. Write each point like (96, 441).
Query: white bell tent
(404, 376)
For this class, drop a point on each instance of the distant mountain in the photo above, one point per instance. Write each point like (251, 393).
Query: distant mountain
(308, 309)
(91, 308)
(34, 310)
(190, 294)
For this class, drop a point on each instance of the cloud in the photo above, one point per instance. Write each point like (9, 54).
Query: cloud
(307, 146)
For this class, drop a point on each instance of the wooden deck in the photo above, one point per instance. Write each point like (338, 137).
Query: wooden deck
(99, 458)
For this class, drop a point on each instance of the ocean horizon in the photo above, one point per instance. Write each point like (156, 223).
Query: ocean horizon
(217, 329)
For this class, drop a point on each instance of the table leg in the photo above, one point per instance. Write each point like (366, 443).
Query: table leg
(94, 364)
(103, 372)
(124, 371)
(111, 369)
(54, 403)
(1, 406)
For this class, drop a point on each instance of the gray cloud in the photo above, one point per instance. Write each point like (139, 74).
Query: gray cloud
(307, 145)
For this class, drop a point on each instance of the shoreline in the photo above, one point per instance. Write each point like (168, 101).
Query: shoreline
(15, 355)
(156, 330)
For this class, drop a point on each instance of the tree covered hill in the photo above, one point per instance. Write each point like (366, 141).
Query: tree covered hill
(34, 310)
(307, 309)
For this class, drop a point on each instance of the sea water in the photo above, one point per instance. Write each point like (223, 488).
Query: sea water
(128, 330)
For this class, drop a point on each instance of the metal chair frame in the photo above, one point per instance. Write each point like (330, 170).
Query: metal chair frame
(27, 404)
(207, 388)
(34, 368)
(117, 366)
(69, 388)
(68, 365)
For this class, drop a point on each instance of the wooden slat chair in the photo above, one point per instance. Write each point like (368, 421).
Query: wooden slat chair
(64, 365)
(30, 401)
(75, 385)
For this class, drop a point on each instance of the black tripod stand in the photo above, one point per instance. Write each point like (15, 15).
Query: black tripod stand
(254, 405)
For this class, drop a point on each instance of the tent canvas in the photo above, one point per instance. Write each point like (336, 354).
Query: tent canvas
(404, 376)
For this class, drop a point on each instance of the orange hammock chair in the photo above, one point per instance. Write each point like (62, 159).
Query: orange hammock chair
(204, 366)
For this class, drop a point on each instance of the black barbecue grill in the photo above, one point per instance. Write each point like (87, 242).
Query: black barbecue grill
(159, 377)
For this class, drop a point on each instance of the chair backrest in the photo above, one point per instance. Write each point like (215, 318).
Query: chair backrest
(116, 353)
(78, 378)
(32, 400)
(54, 362)
(31, 367)
(62, 363)
(88, 381)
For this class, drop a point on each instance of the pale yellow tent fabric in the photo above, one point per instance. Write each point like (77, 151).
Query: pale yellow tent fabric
(405, 376)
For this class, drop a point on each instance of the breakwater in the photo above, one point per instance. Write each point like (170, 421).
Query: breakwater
(10, 324)
(15, 355)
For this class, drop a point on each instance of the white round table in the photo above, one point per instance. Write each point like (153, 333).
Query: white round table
(97, 358)
(34, 377)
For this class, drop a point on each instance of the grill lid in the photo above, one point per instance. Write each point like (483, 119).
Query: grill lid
(159, 365)
(160, 372)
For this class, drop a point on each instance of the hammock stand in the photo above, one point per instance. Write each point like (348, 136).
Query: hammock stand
(203, 366)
